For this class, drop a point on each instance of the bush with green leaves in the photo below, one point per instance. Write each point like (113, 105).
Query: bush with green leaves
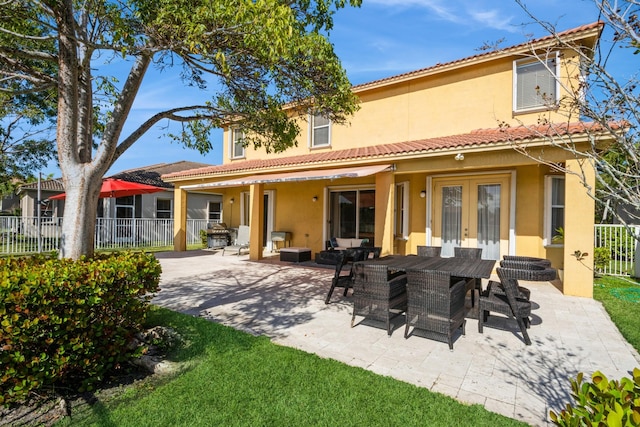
(70, 322)
(601, 259)
(602, 402)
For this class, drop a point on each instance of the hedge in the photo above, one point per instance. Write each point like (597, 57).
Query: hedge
(70, 322)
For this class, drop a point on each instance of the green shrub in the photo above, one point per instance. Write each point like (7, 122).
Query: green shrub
(69, 322)
(601, 258)
(602, 402)
(204, 238)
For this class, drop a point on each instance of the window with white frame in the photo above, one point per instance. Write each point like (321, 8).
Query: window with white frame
(535, 84)
(401, 211)
(554, 210)
(215, 212)
(237, 143)
(320, 134)
(163, 208)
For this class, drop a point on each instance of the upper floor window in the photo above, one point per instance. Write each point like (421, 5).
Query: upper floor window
(237, 143)
(320, 131)
(554, 209)
(163, 208)
(535, 84)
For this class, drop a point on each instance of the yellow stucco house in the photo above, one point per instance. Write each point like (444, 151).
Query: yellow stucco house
(429, 159)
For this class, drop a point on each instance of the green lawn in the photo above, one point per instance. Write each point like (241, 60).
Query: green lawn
(621, 299)
(235, 379)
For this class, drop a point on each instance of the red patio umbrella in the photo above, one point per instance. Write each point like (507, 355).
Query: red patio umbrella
(112, 187)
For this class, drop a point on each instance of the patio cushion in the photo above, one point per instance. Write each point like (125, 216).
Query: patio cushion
(348, 243)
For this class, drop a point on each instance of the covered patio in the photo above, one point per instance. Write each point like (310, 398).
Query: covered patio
(285, 301)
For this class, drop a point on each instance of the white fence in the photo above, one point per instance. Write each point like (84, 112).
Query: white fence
(20, 235)
(621, 243)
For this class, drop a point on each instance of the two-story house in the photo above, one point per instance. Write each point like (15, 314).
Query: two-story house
(427, 160)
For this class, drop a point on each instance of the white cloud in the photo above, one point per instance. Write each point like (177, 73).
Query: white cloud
(436, 6)
(461, 12)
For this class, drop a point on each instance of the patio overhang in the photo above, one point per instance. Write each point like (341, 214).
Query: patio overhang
(308, 175)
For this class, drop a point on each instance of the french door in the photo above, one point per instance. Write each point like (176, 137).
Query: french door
(472, 212)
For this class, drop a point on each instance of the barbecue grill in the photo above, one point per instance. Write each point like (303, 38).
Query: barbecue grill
(218, 235)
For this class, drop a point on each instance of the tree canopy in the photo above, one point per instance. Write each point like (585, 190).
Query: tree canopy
(266, 58)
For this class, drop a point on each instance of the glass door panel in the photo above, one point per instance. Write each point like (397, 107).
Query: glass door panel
(489, 220)
(451, 230)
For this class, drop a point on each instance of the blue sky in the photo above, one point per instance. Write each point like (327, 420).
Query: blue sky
(381, 39)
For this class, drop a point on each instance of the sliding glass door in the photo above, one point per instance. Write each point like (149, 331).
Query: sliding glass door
(352, 214)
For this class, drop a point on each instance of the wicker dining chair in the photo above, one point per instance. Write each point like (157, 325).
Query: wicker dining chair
(429, 251)
(434, 305)
(472, 284)
(505, 302)
(468, 253)
(375, 296)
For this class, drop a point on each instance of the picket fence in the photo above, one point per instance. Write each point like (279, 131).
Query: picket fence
(23, 235)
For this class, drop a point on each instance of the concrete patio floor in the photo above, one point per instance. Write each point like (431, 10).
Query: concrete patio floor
(286, 302)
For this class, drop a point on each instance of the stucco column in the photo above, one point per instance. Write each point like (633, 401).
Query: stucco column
(579, 211)
(179, 219)
(256, 211)
(385, 194)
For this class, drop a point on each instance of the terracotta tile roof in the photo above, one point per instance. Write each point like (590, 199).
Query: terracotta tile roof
(599, 25)
(386, 152)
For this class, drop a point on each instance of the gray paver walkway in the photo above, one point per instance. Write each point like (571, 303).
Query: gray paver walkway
(495, 369)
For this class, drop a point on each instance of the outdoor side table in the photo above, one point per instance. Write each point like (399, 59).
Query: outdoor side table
(295, 254)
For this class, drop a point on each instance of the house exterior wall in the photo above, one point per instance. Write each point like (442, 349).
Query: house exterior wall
(454, 99)
(447, 103)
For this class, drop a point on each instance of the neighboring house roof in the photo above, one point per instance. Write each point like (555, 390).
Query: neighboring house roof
(481, 138)
(45, 185)
(151, 175)
(593, 30)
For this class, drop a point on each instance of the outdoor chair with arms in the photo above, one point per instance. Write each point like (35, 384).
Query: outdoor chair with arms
(435, 305)
(505, 301)
(344, 261)
(375, 296)
(242, 241)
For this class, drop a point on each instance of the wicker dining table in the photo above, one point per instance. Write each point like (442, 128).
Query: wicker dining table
(472, 270)
(459, 267)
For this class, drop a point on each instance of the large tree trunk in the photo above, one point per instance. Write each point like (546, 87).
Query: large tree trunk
(79, 222)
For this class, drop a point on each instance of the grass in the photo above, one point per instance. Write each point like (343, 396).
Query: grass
(610, 291)
(231, 378)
